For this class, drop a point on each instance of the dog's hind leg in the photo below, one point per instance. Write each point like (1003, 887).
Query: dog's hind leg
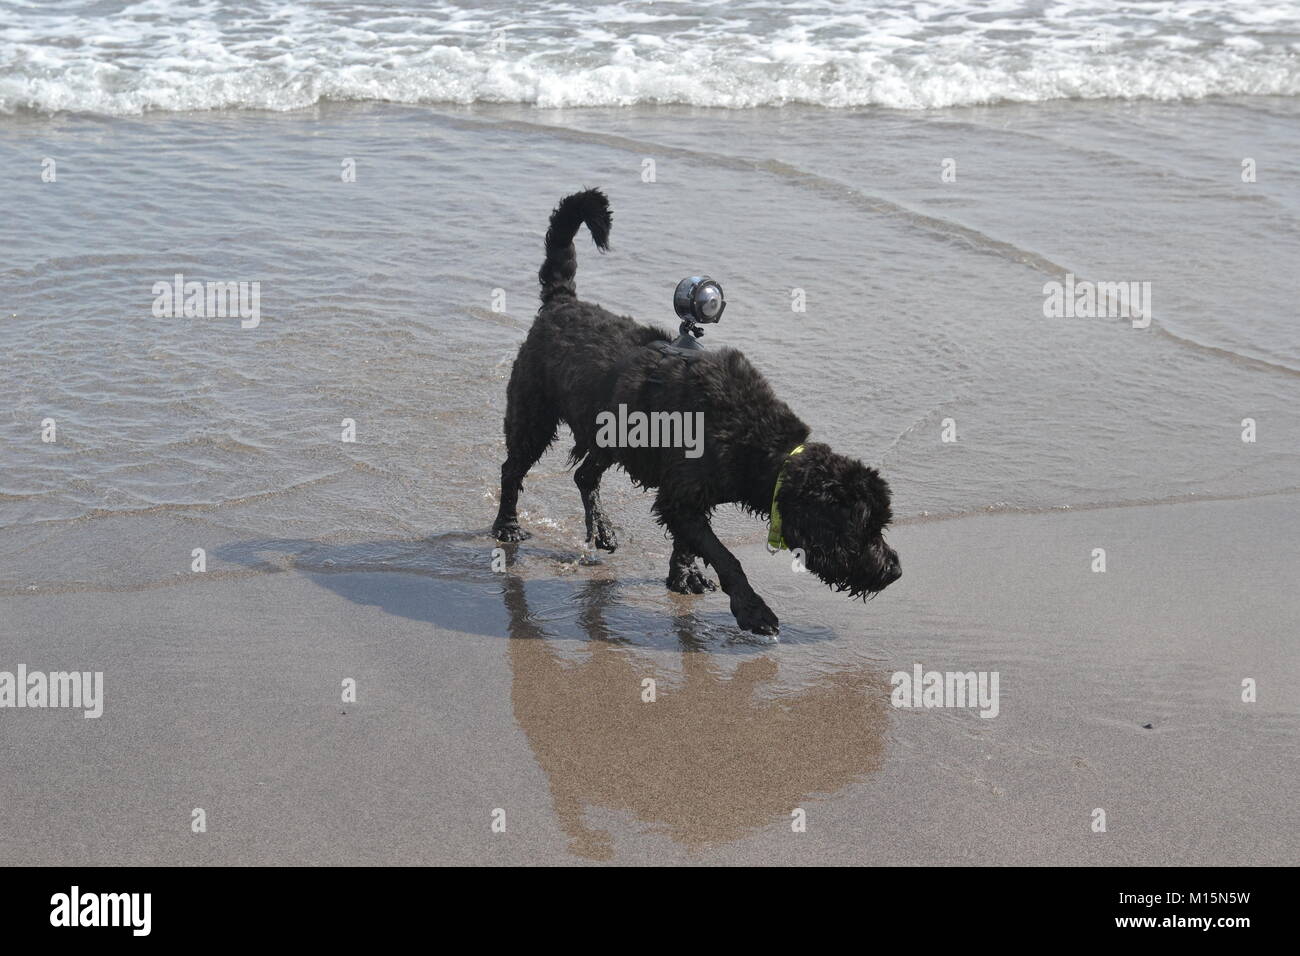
(684, 576)
(530, 427)
(587, 478)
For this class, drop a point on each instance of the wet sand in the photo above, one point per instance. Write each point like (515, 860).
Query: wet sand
(522, 691)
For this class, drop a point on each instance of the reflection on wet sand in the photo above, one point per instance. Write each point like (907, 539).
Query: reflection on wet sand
(738, 735)
(713, 758)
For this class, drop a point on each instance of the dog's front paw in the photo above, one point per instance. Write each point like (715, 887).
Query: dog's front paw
(510, 531)
(752, 614)
(689, 581)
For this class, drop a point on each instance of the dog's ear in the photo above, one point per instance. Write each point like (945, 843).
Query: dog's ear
(871, 498)
(823, 493)
(843, 489)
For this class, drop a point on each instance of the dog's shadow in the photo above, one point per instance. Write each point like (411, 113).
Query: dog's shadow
(722, 741)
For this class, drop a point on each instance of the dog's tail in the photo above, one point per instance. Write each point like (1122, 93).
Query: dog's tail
(561, 264)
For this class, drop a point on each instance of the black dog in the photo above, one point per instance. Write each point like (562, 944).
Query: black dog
(580, 360)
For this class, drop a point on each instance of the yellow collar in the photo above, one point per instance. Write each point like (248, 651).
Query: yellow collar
(775, 541)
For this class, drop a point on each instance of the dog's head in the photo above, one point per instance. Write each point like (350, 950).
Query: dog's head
(836, 510)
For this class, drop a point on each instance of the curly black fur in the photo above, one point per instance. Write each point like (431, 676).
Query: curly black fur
(580, 360)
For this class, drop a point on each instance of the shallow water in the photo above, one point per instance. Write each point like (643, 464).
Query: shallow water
(924, 302)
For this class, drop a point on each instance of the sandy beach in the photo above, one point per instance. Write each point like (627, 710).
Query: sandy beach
(521, 691)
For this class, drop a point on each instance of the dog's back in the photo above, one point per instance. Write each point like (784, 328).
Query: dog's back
(580, 360)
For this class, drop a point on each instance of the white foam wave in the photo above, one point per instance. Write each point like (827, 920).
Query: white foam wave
(267, 54)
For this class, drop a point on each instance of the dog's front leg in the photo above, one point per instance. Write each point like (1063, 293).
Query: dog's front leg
(695, 533)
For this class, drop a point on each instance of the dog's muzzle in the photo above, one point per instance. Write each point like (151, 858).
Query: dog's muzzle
(893, 568)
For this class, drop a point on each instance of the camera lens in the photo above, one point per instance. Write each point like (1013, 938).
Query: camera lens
(708, 303)
(699, 299)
